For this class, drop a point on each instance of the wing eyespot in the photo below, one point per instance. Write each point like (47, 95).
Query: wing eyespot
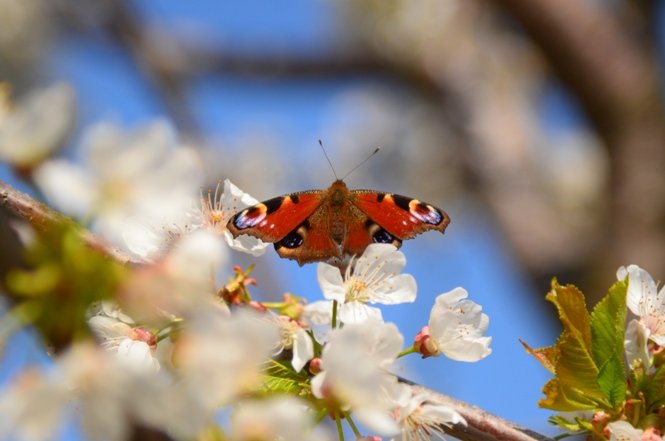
(291, 241)
(382, 236)
(250, 217)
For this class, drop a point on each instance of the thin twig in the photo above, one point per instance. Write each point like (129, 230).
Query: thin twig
(41, 217)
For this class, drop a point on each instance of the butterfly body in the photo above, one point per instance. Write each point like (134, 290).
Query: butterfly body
(333, 224)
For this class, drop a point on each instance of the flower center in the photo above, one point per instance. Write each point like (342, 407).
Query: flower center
(356, 290)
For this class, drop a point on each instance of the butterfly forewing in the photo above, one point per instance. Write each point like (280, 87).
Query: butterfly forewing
(401, 216)
(274, 219)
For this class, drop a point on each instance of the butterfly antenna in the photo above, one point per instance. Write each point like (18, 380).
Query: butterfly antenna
(376, 150)
(326, 155)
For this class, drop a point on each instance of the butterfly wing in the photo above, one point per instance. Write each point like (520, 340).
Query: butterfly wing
(294, 223)
(275, 218)
(395, 217)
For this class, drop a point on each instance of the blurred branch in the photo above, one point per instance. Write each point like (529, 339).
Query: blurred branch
(614, 75)
(482, 426)
(41, 217)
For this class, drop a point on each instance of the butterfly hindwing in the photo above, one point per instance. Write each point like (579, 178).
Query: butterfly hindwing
(399, 216)
(274, 219)
(310, 241)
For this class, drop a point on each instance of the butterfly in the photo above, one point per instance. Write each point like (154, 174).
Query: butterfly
(332, 225)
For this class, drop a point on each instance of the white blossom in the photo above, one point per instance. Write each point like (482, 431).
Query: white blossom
(124, 178)
(282, 418)
(354, 364)
(151, 238)
(132, 345)
(419, 418)
(624, 431)
(372, 278)
(109, 397)
(216, 211)
(32, 407)
(179, 284)
(295, 339)
(221, 356)
(645, 301)
(36, 126)
(456, 328)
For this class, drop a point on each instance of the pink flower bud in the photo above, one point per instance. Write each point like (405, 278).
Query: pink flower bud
(315, 366)
(141, 334)
(424, 343)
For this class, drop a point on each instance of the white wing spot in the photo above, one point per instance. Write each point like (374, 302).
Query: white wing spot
(263, 223)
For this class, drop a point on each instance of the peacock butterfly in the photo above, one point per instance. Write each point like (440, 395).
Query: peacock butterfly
(333, 224)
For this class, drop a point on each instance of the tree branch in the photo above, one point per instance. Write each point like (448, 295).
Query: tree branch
(481, 425)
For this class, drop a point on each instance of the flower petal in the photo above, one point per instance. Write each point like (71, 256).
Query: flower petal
(68, 187)
(319, 313)
(331, 282)
(136, 354)
(303, 350)
(234, 199)
(246, 244)
(624, 431)
(635, 343)
(395, 290)
(641, 287)
(382, 255)
(357, 312)
(378, 420)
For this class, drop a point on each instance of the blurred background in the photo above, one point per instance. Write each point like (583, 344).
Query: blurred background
(537, 125)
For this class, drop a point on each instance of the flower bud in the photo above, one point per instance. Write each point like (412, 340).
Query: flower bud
(315, 366)
(424, 343)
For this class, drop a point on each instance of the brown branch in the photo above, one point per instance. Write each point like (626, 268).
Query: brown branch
(481, 425)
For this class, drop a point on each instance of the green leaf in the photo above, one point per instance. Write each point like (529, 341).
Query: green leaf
(654, 392)
(578, 425)
(575, 386)
(281, 378)
(63, 275)
(577, 377)
(280, 385)
(608, 323)
(556, 399)
(612, 380)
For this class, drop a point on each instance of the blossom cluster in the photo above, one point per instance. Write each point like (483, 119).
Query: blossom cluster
(171, 349)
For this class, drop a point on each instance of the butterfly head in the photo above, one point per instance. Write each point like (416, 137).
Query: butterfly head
(339, 192)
